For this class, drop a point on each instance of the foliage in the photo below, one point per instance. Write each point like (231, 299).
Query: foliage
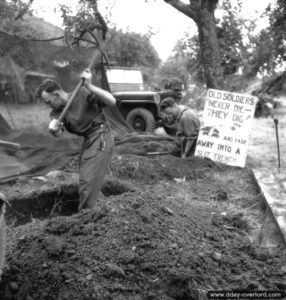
(11, 18)
(126, 49)
(265, 52)
(202, 13)
(265, 105)
(195, 98)
(17, 28)
(242, 50)
(85, 22)
(187, 59)
(273, 38)
(229, 31)
(173, 73)
(131, 49)
(278, 28)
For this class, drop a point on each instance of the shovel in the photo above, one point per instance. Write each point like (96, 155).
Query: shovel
(14, 147)
(10, 145)
(277, 140)
(182, 145)
(96, 55)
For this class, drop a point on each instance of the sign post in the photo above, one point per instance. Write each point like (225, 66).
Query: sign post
(225, 130)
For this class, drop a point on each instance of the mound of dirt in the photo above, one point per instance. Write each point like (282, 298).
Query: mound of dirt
(166, 229)
(156, 244)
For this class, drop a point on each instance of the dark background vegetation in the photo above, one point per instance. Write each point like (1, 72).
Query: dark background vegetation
(241, 55)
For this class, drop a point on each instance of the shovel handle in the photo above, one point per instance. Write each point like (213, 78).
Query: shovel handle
(70, 101)
(182, 145)
(277, 139)
(97, 54)
(10, 145)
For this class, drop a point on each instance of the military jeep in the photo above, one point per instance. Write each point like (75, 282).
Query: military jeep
(140, 108)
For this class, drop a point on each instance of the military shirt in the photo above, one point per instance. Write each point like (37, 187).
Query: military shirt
(188, 123)
(85, 115)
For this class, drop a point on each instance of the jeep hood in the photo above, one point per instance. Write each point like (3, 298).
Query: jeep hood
(140, 95)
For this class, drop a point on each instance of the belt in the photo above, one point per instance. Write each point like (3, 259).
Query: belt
(98, 130)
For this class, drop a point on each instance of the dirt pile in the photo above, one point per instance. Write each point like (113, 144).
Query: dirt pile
(167, 229)
(157, 244)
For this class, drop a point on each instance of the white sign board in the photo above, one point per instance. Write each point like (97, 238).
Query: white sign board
(225, 129)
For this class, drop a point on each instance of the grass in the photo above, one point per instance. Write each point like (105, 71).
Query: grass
(262, 149)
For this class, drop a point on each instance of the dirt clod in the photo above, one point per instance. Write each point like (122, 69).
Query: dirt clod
(54, 245)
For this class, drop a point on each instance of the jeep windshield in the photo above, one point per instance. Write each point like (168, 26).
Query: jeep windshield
(125, 79)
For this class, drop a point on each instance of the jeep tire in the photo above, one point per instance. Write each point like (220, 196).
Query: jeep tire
(141, 120)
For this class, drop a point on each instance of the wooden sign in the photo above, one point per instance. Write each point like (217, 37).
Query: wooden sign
(225, 129)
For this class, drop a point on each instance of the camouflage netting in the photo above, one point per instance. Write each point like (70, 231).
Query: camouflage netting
(12, 79)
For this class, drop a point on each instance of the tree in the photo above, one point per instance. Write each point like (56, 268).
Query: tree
(274, 36)
(174, 72)
(229, 31)
(11, 18)
(202, 13)
(188, 52)
(126, 49)
(131, 49)
(265, 52)
(242, 50)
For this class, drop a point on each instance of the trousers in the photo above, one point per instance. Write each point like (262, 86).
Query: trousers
(94, 159)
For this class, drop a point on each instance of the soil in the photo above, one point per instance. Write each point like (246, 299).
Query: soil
(165, 228)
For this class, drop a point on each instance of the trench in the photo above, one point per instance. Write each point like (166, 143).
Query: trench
(59, 201)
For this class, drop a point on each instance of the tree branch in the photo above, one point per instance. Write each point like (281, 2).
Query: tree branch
(191, 10)
(99, 47)
(24, 10)
(103, 25)
(76, 40)
(45, 40)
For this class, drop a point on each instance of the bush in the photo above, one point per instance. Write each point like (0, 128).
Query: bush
(266, 103)
(195, 98)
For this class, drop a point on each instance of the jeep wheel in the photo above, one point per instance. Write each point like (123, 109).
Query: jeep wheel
(141, 120)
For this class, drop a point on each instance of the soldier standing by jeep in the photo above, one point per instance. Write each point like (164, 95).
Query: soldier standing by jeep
(188, 124)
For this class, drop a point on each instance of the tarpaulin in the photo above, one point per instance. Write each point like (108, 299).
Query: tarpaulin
(5, 128)
(41, 152)
(13, 76)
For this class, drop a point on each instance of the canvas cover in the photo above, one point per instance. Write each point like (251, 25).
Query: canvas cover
(5, 128)
(40, 152)
(13, 76)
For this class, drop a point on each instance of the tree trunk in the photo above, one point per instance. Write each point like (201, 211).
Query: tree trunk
(202, 12)
(213, 71)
